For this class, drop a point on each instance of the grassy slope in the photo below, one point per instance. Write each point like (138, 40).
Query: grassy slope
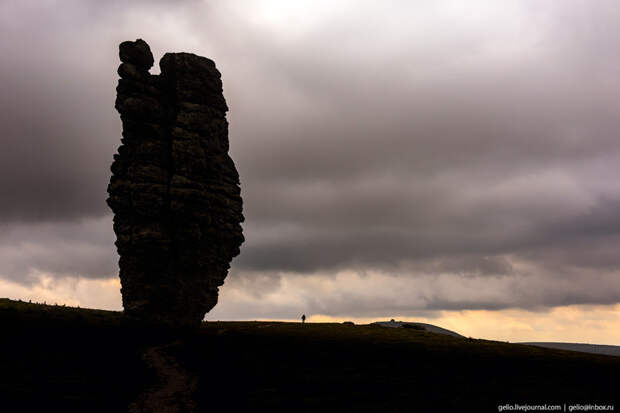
(67, 359)
(88, 359)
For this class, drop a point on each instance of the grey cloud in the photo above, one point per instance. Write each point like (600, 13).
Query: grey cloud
(384, 295)
(425, 137)
(82, 248)
(60, 128)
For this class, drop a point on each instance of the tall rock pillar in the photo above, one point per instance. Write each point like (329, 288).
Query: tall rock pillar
(174, 189)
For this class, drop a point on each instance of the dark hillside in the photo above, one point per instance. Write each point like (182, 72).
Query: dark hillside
(62, 359)
(67, 359)
(318, 367)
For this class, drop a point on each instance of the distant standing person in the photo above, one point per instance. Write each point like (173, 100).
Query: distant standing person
(303, 318)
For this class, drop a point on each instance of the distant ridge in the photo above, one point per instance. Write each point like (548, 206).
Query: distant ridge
(581, 347)
(427, 327)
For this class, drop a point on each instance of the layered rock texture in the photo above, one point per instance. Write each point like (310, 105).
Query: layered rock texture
(174, 190)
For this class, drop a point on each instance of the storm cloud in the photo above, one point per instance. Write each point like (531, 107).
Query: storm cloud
(394, 156)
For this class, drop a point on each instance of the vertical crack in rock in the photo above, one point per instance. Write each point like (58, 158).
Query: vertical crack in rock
(174, 189)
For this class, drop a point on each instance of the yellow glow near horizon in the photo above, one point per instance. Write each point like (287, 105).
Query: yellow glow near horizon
(593, 324)
(93, 293)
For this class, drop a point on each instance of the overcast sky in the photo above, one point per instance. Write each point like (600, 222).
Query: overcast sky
(397, 158)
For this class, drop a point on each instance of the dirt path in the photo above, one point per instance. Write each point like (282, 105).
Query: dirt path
(173, 392)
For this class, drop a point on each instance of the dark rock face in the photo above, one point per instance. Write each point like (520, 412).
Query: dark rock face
(174, 190)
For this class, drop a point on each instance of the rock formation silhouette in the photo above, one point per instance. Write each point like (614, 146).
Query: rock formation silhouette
(174, 190)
